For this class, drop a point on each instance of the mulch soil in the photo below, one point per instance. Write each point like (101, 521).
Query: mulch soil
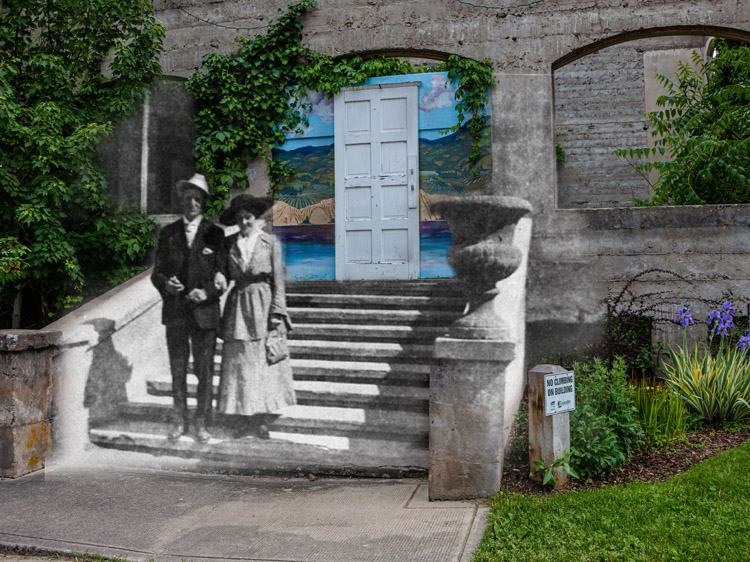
(644, 466)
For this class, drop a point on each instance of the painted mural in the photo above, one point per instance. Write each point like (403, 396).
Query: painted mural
(303, 215)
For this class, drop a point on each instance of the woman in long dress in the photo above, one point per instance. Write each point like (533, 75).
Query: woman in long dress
(255, 306)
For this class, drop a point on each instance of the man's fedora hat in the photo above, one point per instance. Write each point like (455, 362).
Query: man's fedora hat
(244, 201)
(198, 181)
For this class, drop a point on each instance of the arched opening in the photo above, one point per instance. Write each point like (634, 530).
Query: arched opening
(602, 92)
(152, 150)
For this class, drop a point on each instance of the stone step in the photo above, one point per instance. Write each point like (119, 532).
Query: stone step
(336, 394)
(355, 332)
(362, 351)
(418, 302)
(343, 368)
(391, 373)
(372, 316)
(371, 423)
(377, 372)
(426, 287)
(282, 453)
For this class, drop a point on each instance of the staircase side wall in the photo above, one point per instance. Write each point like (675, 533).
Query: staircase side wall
(109, 347)
(511, 307)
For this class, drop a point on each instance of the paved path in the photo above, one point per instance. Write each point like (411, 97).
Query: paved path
(171, 517)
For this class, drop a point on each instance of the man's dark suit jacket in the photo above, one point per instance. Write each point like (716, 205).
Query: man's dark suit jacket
(195, 267)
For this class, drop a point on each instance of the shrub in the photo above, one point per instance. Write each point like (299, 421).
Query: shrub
(716, 384)
(68, 72)
(661, 413)
(604, 427)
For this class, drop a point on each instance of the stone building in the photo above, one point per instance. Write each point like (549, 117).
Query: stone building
(565, 72)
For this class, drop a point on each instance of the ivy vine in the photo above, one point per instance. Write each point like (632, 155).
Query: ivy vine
(251, 100)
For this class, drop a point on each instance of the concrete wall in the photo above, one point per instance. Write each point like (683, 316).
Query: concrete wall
(582, 256)
(600, 101)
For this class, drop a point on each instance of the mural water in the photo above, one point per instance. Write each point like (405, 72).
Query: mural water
(309, 253)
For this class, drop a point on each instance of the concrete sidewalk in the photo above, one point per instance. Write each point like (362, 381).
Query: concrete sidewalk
(175, 517)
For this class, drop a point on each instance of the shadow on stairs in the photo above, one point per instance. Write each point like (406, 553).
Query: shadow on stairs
(360, 352)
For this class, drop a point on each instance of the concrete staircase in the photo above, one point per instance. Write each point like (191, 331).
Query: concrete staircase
(361, 361)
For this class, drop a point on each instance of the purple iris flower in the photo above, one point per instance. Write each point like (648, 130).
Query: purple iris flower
(744, 341)
(683, 315)
(724, 319)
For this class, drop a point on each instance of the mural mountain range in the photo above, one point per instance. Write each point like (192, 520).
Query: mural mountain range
(445, 170)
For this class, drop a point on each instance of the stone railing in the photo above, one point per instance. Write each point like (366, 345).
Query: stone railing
(478, 376)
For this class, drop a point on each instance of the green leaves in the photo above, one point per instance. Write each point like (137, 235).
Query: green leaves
(251, 100)
(475, 81)
(562, 463)
(56, 106)
(704, 129)
(716, 386)
(604, 427)
(243, 102)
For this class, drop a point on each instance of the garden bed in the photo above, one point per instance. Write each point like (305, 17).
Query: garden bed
(650, 466)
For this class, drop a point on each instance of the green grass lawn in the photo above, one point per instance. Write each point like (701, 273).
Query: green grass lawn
(702, 514)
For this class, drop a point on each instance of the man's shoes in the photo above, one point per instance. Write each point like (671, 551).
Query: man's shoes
(201, 435)
(178, 430)
(262, 431)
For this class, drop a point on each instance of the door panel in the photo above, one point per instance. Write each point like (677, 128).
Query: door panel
(377, 215)
(358, 206)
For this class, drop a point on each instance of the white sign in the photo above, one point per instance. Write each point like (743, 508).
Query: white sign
(559, 393)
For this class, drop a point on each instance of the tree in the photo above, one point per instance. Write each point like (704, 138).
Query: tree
(68, 70)
(703, 127)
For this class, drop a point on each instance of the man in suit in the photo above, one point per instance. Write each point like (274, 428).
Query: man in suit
(188, 275)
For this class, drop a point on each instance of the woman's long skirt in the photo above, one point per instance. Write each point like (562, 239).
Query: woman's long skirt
(248, 384)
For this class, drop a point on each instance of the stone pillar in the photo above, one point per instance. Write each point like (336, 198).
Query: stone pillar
(467, 399)
(25, 399)
(549, 436)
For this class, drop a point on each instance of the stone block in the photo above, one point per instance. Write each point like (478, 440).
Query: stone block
(23, 448)
(25, 399)
(25, 386)
(467, 392)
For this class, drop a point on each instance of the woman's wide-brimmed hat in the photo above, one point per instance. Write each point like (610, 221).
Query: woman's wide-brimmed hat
(198, 181)
(244, 201)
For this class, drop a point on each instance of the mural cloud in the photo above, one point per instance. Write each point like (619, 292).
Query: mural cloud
(322, 106)
(440, 95)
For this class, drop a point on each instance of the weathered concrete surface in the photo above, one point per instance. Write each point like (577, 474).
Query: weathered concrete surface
(172, 517)
(581, 256)
(25, 399)
(517, 41)
(549, 436)
(467, 405)
(475, 389)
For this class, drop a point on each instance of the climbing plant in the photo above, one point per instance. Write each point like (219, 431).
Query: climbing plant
(69, 71)
(251, 100)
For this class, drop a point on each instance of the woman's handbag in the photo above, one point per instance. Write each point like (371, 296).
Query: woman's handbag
(276, 347)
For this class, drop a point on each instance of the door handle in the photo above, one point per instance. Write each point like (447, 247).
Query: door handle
(413, 194)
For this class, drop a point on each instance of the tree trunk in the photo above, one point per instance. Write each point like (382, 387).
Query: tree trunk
(16, 320)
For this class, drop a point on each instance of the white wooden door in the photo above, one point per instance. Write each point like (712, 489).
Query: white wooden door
(377, 189)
